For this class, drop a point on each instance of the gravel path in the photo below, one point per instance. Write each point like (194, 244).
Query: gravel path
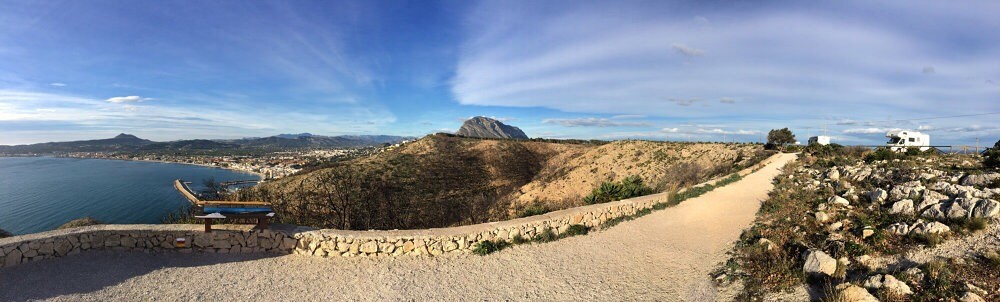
(664, 256)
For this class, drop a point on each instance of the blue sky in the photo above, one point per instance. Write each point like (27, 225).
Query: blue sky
(700, 70)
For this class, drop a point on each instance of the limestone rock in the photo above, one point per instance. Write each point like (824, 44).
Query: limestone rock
(853, 293)
(898, 228)
(902, 207)
(833, 174)
(13, 258)
(970, 297)
(979, 179)
(818, 262)
(877, 196)
(956, 211)
(837, 200)
(986, 208)
(822, 217)
(369, 247)
(893, 285)
(936, 211)
(932, 227)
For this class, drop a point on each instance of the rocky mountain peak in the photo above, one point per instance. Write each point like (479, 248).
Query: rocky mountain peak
(485, 127)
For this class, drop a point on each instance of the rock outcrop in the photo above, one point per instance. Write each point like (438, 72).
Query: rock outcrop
(485, 127)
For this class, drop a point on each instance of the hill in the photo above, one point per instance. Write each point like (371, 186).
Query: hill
(130, 143)
(485, 127)
(442, 180)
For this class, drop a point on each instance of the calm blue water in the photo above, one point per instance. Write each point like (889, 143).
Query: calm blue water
(41, 193)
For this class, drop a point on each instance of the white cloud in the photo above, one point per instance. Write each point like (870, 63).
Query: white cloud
(127, 99)
(628, 116)
(671, 130)
(925, 127)
(593, 122)
(687, 50)
(727, 100)
(866, 130)
(57, 84)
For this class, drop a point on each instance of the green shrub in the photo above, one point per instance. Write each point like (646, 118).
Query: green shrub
(487, 247)
(991, 158)
(534, 209)
(545, 236)
(629, 187)
(883, 154)
(519, 240)
(576, 230)
(992, 258)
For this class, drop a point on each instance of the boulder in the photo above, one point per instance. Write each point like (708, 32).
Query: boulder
(907, 190)
(902, 207)
(837, 200)
(936, 211)
(956, 211)
(970, 297)
(877, 196)
(818, 262)
(932, 227)
(893, 285)
(898, 228)
(369, 247)
(873, 282)
(979, 179)
(986, 208)
(930, 198)
(853, 293)
(833, 174)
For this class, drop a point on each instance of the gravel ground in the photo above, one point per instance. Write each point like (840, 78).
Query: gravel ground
(664, 256)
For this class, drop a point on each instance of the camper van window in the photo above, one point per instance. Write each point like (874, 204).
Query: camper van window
(912, 139)
(894, 140)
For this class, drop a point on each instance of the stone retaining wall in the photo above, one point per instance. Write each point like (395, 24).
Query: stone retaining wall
(462, 240)
(323, 243)
(141, 237)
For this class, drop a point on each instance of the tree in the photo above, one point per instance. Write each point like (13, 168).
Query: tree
(780, 137)
(991, 158)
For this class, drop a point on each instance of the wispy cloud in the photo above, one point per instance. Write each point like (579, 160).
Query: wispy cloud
(127, 99)
(57, 84)
(594, 122)
(687, 50)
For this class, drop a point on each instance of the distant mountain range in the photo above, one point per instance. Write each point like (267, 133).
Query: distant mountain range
(130, 143)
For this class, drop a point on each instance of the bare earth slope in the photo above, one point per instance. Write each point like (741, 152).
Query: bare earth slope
(664, 256)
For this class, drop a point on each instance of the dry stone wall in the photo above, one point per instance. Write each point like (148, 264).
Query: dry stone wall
(145, 238)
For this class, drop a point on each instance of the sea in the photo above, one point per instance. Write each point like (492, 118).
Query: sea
(41, 193)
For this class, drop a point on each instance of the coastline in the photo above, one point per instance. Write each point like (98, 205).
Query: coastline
(261, 176)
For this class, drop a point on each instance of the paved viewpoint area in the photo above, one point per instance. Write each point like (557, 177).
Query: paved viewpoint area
(664, 256)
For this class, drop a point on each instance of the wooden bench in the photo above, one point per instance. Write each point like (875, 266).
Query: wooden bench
(260, 211)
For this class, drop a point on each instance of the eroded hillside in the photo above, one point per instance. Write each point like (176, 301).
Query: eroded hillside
(443, 180)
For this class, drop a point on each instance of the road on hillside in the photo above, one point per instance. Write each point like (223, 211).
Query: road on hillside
(664, 256)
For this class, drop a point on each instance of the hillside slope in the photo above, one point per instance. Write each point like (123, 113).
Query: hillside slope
(442, 180)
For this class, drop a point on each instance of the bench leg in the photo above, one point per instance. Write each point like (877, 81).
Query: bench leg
(208, 225)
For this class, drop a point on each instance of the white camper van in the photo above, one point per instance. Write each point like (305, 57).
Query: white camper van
(821, 139)
(899, 140)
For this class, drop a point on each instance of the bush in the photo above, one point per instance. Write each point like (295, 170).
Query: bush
(629, 187)
(5, 234)
(883, 154)
(487, 247)
(85, 221)
(991, 158)
(975, 224)
(534, 209)
(576, 230)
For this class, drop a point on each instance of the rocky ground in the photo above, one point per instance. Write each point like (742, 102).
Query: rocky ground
(906, 228)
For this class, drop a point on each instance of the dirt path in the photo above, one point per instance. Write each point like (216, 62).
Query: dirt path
(664, 256)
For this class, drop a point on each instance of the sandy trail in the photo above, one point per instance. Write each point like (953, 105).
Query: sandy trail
(664, 256)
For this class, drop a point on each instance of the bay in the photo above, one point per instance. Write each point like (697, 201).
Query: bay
(41, 193)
